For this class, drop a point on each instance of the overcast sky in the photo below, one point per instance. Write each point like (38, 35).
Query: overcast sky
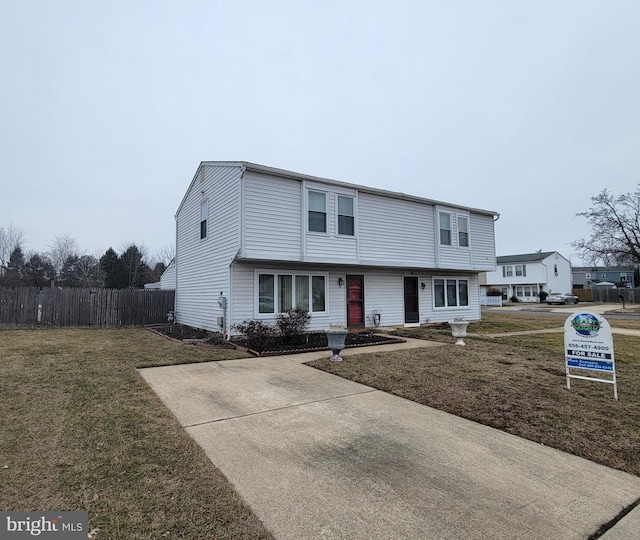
(528, 108)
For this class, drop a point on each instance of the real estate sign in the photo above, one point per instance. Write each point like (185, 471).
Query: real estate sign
(589, 346)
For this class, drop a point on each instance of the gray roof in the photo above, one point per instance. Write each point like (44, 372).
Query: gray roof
(527, 257)
(603, 269)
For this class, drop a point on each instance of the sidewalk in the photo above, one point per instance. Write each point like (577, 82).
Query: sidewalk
(318, 456)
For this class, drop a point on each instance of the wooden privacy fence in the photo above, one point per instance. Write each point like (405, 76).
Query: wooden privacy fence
(26, 307)
(630, 296)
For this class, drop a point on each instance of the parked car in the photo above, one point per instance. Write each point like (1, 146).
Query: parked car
(561, 298)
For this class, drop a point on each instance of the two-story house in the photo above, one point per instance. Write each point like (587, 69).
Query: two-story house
(253, 241)
(525, 276)
(586, 277)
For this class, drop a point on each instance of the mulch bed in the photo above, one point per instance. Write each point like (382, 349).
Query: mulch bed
(311, 341)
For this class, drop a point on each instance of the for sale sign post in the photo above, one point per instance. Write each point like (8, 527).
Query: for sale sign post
(589, 346)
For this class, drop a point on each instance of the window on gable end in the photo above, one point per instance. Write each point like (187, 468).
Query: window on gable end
(346, 216)
(204, 216)
(445, 229)
(317, 212)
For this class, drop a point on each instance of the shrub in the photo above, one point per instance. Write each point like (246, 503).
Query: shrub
(292, 324)
(514, 298)
(543, 295)
(494, 292)
(257, 333)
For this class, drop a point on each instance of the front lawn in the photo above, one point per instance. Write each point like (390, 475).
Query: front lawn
(516, 384)
(81, 430)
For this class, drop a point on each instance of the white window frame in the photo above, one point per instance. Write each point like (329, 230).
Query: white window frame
(465, 219)
(508, 270)
(276, 299)
(446, 305)
(326, 215)
(204, 219)
(440, 228)
(352, 216)
(521, 270)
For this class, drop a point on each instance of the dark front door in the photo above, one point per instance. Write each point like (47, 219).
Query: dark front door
(355, 301)
(411, 309)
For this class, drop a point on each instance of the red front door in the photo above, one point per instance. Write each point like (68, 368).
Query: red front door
(355, 301)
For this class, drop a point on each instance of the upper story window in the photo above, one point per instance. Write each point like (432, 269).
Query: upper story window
(507, 271)
(463, 231)
(346, 216)
(317, 211)
(521, 270)
(204, 216)
(445, 229)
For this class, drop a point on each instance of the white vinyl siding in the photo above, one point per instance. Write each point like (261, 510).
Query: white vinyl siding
(202, 268)
(383, 289)
(273, 218)
(168, 278)
(395, 232)
(482, 242)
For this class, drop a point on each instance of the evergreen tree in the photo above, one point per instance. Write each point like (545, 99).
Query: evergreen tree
(114, 271)
(38, 271)
(137, 270)
(15, 268)
(68, 276)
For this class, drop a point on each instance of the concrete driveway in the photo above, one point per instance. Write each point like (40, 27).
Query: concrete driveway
(317, 456)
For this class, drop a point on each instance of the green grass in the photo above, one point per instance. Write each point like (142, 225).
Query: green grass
(81, 430)
(516, 384)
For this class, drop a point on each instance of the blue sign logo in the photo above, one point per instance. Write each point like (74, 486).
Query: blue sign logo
(586, 324)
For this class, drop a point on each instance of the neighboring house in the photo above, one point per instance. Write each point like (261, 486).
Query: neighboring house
(525, 276)
(167, 279)
(586, 277)
(252, 241)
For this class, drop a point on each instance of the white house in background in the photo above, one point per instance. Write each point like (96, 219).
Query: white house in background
(252, 241)
(525, 276)
(167, 279)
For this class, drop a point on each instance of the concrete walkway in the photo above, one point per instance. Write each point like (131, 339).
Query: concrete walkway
(318, 456)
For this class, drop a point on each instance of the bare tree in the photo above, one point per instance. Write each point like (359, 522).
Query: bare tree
(61, 249)
(615, 230)
(165, 255)
(10, 239)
